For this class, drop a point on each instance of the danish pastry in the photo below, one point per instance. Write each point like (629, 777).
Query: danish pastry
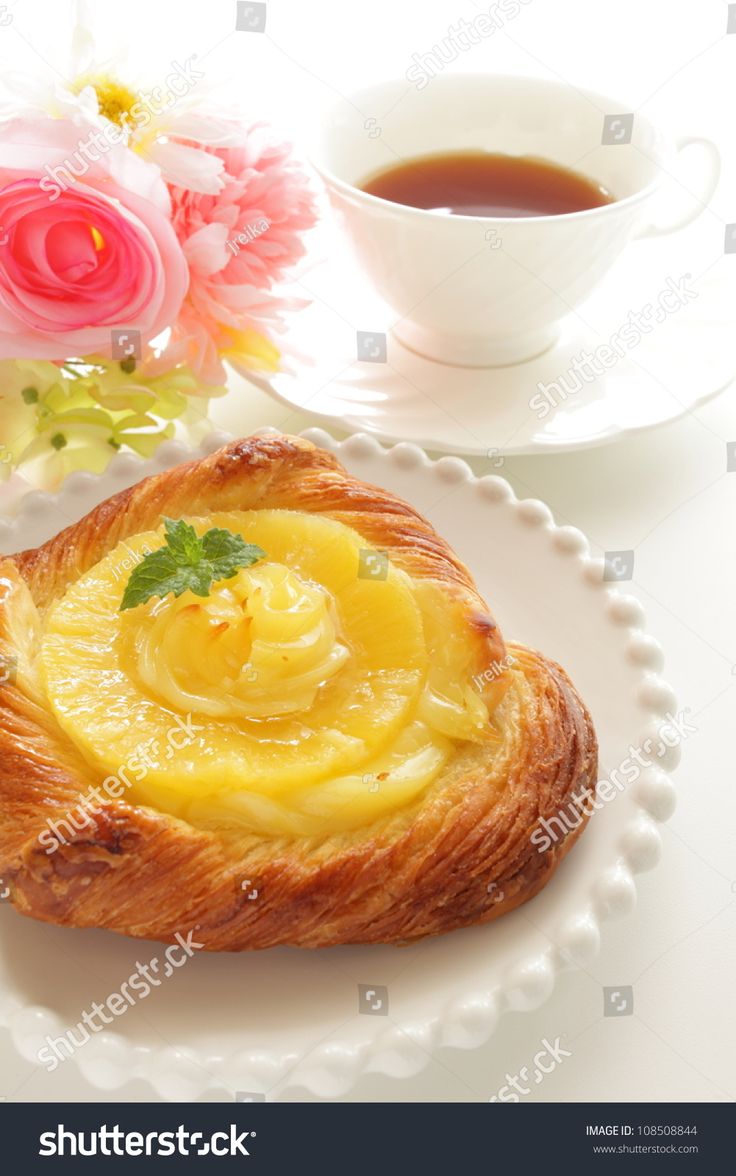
(258, 697)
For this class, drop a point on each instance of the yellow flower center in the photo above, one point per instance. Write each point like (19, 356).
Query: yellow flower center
(115, 100)
(253, 349)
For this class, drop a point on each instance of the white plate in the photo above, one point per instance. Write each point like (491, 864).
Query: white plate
(677, 364)
(254, 1022)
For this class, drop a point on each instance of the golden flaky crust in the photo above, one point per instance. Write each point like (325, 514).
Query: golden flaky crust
(461, 854)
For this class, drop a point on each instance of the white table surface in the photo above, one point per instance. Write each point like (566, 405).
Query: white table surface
(664, 494)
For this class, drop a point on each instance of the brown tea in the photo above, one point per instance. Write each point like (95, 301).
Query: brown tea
(482, 183)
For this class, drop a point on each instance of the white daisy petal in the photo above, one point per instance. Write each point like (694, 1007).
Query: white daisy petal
(188, 167)
(136, 174)
(216, 132)
(83, 53)
(82, 108)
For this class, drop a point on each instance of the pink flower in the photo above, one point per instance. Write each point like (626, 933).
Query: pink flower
(80, 258)
(238, 243)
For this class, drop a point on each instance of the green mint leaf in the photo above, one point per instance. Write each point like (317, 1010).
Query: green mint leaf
(200, 579)
(183, 542)
(157, 575)
(188, 563)
(227, 552)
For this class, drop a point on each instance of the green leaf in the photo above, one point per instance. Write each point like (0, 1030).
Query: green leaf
(188, 563)
(183, 541)
(226, 552)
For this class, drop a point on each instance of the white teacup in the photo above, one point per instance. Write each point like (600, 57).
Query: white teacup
(483, 291)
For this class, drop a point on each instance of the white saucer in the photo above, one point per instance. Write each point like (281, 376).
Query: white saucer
(681, 362)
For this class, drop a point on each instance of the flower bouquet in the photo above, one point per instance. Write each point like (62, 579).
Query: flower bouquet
(142, 238)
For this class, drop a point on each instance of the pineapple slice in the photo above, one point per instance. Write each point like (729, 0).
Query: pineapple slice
(388, 782)
(261, 646)
(116, 684)
(314, 697)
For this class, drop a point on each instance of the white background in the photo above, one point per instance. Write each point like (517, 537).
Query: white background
(666, 495)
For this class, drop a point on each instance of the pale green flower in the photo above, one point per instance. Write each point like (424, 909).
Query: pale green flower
(22, 385)
(76, 417)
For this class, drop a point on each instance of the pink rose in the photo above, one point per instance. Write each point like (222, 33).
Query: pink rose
(82, 257)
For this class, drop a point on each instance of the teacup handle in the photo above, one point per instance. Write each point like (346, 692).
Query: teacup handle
(710, 181)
